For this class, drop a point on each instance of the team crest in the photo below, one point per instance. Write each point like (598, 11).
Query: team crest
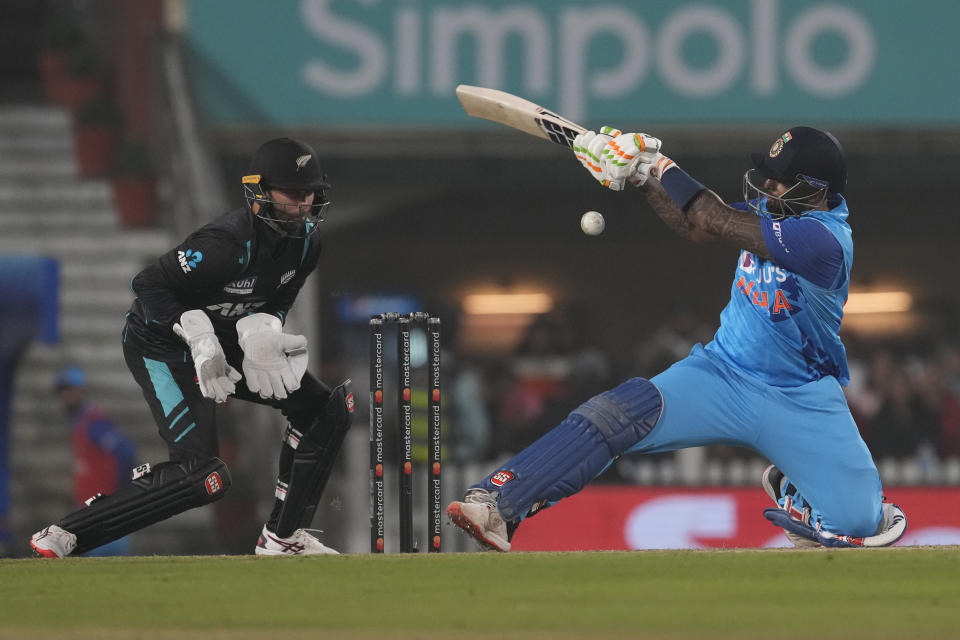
(777, 145)
(302, 161)
(287, 277)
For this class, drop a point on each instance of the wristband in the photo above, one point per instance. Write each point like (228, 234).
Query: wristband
(680, 186)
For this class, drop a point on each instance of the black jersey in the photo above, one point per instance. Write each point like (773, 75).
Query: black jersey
(230, 268)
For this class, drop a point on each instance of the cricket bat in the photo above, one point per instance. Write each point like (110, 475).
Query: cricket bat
(517, 113)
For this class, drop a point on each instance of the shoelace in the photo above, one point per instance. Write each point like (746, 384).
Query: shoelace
(309, 534)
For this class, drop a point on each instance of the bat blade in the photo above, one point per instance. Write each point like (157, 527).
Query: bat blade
(515, 112)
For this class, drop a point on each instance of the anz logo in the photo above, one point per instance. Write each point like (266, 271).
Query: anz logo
(233, 309)
(189, 259)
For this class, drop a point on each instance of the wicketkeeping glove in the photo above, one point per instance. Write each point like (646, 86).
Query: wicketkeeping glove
(273, 361)
(216, 377)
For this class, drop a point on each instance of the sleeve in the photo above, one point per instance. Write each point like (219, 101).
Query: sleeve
(204, 259)
(806, 247)
(104, 435)
(280, 304)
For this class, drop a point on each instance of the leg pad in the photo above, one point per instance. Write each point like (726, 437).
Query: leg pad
(170, 488)
(313, 461)
(569, 456)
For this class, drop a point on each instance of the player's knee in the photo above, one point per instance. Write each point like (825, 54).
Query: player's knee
(625, 414)
(338, 411)
(326, 414)
(209, 478)
(333, 418)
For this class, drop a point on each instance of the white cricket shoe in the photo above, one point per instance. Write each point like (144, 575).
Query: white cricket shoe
(893, 525)
(478, 515)
(301, 543)
(772, 482)
(53, 542)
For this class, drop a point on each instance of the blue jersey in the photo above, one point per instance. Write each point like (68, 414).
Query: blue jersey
(783, 320)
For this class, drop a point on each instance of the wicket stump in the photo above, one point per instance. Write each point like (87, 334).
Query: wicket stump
(431, 326)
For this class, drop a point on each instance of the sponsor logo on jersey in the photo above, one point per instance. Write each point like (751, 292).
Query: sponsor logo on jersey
(213, 483)
(775, 303)
(748, 264)
(232, 309)
(242, 286)
(501, 478)
(287, 277)
(189, 259)
(778, 234)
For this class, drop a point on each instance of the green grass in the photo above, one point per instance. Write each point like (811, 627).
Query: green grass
(880, 593)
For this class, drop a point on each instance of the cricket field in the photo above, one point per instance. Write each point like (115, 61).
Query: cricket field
(909, 592)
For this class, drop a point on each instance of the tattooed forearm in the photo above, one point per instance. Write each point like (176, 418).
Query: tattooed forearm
(739, 228)
(707, 219)
(668, 211)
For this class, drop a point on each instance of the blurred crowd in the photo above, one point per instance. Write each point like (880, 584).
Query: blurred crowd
(903, 393)
(905, 397)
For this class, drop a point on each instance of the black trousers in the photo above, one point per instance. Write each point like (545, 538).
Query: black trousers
(187, 421)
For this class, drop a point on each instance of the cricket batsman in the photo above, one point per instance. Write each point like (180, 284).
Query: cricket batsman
(207, 310)
(770, 380)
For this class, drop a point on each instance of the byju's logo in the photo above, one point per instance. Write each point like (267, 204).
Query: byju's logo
(747, 262)
(189, 259)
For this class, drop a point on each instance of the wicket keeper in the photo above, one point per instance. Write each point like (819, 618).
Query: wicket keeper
(207, 310)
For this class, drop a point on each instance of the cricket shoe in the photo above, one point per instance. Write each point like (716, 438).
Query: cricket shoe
(774, 483)
(300, 543)
(53, 542)
(479, 516)
(893, 524)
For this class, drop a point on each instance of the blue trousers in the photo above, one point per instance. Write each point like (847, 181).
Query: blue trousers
(806, 431)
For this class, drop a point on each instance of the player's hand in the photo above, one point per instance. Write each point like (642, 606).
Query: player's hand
(631, 157)
(589, 148)
(273, 361)
(217, 379)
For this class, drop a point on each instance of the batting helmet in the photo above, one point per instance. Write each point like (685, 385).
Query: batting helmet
(807, 154)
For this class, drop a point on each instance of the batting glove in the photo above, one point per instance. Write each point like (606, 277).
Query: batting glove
(273, 361)
(590, 148)
(216, 377)
(632, 157)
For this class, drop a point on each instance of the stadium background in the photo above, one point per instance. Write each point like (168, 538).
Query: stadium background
(430, 207)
